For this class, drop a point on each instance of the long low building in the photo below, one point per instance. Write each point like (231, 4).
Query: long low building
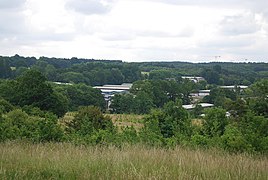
(192, 106)
(233, 87)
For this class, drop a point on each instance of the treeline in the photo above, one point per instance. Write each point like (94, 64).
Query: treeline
(99, 72)
(88, 71)
(215, 73)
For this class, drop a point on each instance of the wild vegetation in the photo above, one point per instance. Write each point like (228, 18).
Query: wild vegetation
(22, 160)
(147, 132)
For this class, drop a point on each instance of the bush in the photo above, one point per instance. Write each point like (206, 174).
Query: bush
(233, 140)
(19, 125)
(90, 119)
(5, 106)
(214, 122)
(199, 140)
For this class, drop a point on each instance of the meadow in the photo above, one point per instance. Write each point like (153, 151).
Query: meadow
(24, 160)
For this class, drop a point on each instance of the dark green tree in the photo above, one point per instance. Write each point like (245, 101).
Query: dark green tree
(214, 122)
(32, 89)
(90, 119)
(173, 120)
(5, 70)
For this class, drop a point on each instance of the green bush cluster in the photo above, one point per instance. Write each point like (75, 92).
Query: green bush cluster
(17, 124)
(168, 127)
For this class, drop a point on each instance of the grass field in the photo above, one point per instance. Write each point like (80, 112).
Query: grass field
(119, 120)
(127, 120)
(20, 160)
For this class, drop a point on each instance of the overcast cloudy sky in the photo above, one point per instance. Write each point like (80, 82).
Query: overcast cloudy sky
(136, 30)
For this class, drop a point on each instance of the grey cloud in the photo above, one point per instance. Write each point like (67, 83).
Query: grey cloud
(218, 3)
(89, 7)
(184, 32)
(125, 35)
(11, 4)
(240, 24)
(229, 42)
(256, 6)
(12, 24)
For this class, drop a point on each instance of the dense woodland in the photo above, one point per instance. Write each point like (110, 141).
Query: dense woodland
(99, 72)
(31, 104)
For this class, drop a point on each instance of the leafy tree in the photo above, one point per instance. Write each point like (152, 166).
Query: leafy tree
(254, 129)
(142, 103)
(90, 119)
(8, 91)
(19, 125)
(197, 110)
(5, 106)
(32, 89)
(214, 122)
(122, 103)
(211, 76)
(258, 97)
(5, 70)
(233, 140)
(172, 120)
(81, 95)
(74, 77)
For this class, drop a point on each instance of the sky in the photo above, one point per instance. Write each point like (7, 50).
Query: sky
(136, 30)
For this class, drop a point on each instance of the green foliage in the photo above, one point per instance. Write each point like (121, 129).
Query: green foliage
(129, 135)
(5, 70)
(32, 89)
(5, 106)
(211, 75)
(152, 93)
(199, 140)
(122, 103)
(19, 125)
(258, 100)
(220, 97)
(197, 111)
(8, 90)
(173, 120)
(254, 128)
(90, 119)
(233, 140)
(214, 122)
(81, 95)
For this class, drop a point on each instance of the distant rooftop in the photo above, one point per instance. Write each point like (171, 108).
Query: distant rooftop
(61, 83)
(233, 87)
(124, 86)
(192, 106)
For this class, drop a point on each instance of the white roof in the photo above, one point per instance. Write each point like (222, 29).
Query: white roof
(204, 91)
(232, 87)
(124, 86)
(192, 106)
(110, 91)
(61, 83)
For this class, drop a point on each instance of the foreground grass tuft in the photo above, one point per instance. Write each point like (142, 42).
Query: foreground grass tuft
(66, 161)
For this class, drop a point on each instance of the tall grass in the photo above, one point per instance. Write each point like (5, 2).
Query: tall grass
(127, 120)
(66, 161)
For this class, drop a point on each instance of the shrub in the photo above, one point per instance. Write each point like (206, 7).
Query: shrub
(199, 140)
(5, 106)
(233, 140)
(19, 125)
(214, 122)
(90, 119)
